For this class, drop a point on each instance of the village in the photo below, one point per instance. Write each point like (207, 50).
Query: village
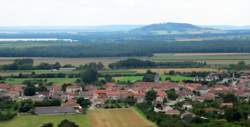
(182, 93)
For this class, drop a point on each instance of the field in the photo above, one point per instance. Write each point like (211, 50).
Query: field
(210, 58)
(133, 79)
(166, 70)
(37, 121)
(56, 81)
(117, 118)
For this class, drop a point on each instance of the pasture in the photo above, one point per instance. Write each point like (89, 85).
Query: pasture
(117, 118)
(37, 121)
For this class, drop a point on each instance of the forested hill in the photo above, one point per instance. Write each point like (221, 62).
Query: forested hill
(174, 28)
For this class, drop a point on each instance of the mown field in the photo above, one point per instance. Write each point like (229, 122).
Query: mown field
(117, 118)
(37, 121)
(210, 58)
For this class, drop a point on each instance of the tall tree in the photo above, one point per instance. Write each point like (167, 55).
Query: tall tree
(89, 75)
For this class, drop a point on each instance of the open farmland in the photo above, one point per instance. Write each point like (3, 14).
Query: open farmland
(63, 61)
(166, 70)
(37, 121)
(117, 118)
(210, 58)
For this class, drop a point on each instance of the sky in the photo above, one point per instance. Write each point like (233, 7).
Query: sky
(114, 12)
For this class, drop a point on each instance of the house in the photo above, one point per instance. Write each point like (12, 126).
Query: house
(67, 68)
(55, 110)
(226, 105)
(74, 89)
(173, 112)
(4, 87)
(187, 106)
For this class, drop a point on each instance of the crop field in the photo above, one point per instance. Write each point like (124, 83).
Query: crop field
(37, 121)
(210, 58)
(117, 118)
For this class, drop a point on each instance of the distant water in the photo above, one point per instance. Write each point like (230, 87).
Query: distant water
(34, 39)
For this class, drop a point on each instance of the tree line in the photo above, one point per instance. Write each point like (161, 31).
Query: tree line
(137, 63)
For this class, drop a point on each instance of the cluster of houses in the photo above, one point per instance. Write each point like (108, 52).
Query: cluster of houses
(98, 96)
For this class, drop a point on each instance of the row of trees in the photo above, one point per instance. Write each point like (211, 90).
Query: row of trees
(141, 46)
(28, 64)
(137, 63)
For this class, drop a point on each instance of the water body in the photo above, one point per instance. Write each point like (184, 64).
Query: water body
(34, 39)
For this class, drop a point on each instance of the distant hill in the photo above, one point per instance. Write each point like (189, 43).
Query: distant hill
(174, 28)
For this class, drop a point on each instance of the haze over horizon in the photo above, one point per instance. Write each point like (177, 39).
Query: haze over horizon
(116, 12)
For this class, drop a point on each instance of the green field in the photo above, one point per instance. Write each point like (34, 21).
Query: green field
(133, 79)
(37, 121)
(57, 81)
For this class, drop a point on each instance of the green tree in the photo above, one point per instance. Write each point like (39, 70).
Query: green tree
(230, 98)
(172, 95)
(26, 105)
(149, 76)
(88, 75)
(47, 125)
(108, 78)
(232, 115)
(85, 103)
(150, 96)
(67, 123)
(29, 90)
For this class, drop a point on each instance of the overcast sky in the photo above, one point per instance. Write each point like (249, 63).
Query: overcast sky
(107, 12)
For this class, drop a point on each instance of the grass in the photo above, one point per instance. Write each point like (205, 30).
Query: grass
(57, 81)
(133, 79)
(117, 118)
(130, 79)
(37, 121)
(176, 78)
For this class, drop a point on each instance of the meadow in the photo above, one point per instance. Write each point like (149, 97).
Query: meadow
(37, 121)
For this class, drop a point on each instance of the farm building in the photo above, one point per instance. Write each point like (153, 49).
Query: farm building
(55, 110)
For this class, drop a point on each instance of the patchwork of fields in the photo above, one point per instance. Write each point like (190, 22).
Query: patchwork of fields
(94, 118)
(210, 58)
